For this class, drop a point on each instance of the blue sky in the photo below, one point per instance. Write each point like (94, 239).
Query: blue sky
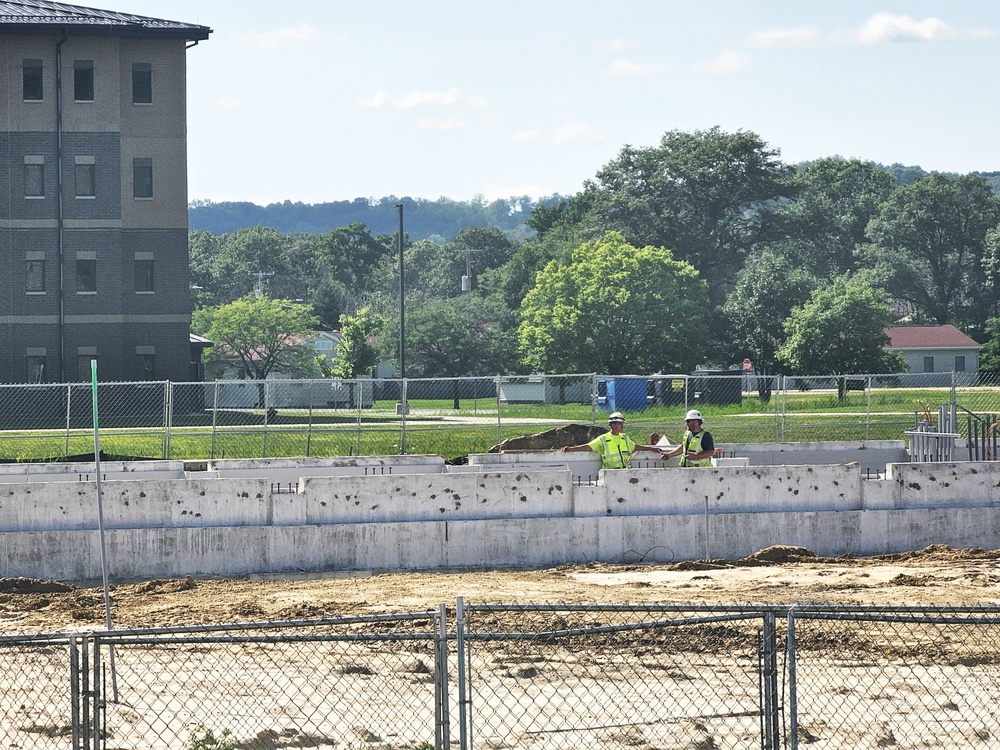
(322, 100)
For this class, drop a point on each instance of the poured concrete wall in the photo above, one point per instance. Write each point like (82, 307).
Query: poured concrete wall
(209, 524)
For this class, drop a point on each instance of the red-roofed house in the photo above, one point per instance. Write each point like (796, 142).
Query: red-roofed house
(937, 349)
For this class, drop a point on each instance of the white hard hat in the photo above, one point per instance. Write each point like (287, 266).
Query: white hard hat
(693, 414)
(616, 417)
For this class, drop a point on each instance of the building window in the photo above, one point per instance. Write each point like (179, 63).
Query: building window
(324, 345)
(35, 368)
(928, 364)
(86, 275)
(142, 83)
(83, 367)
(143, 275)
(34, 177)
(83, 80)
(32, 80)
(959, 363)
(145, 366)
(34, 276)
(86, 180)
(142, 178)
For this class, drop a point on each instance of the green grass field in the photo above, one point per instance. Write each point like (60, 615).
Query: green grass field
(436, 427)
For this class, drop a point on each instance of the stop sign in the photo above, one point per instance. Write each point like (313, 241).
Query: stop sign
(747, 365)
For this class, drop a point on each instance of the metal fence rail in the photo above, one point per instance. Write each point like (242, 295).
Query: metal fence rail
(458, 416)
(520, 676)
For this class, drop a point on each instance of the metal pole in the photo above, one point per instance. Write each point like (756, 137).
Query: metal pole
(463, 697)
(442, 735)
(793, 696)
(402, 306)
(215, 415)
(499, 385)
(100, 521)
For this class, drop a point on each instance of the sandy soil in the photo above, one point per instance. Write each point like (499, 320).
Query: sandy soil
(937, 575)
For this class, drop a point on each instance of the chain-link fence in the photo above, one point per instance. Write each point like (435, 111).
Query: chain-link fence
(457, 416)
(519, 677)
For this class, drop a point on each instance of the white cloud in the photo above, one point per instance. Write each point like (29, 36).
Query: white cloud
(432, 123)
(413, 99)
(632, 68)
(800, 36)
(886, 27)
(275, 39)
(229, 102)
(727, 63)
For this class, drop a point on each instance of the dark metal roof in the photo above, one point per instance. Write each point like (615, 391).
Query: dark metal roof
(44, 17)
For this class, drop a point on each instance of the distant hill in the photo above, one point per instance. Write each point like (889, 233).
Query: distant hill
(442, 218)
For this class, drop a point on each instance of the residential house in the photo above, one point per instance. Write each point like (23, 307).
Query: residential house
(935, 352)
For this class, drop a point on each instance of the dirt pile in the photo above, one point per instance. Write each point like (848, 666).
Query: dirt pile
(558, 437)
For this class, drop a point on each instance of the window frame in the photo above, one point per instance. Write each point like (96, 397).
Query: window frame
(35, 365)
(86, 270)
(145, 366)
(142, 177)
(83, 78)
(142, 83)
(33, 79)
(85, 168)
(34, 268)
(34, 169)
(144, 269)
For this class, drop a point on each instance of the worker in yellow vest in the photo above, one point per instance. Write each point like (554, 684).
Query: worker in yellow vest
(697, 446)
(614, 447)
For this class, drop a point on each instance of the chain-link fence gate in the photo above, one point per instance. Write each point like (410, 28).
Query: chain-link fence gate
(531, 677)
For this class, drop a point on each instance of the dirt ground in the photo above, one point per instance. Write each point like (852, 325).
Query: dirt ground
(938, 575)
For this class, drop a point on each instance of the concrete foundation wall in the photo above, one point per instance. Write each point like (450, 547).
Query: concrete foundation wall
(212, 525)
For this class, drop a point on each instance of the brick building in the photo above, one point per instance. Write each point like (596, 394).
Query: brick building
(93, 194)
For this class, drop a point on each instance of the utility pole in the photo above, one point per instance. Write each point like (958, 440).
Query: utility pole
(259, 287)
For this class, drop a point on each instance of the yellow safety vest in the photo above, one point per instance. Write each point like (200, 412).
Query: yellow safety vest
(616, 452)
(692, 444)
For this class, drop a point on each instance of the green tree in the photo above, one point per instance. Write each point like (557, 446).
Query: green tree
(841, 331)
(259, 335)
(614, 309)
(834, 200)
(767, 289)
(929, 242)
(356, 356)
(452, 338)
(707, 195)
(989, 355)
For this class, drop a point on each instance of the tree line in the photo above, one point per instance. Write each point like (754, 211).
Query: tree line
(703, 249)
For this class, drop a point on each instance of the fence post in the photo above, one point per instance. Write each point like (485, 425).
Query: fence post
(868, 406)
(75, 692)
(793, 698)
(499, 381)
(464, 704)
(69, 409)
(442, 734)
(769, 682)
(168, 417)
(215, 413)
(593, 398)
(402, 424)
